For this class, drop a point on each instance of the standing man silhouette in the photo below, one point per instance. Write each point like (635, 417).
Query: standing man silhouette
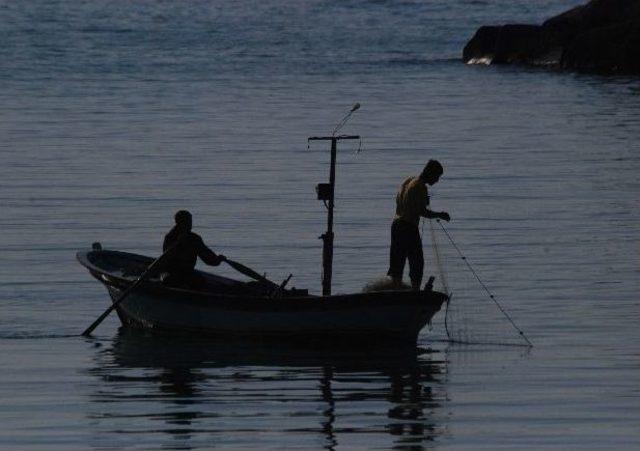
(412, 202)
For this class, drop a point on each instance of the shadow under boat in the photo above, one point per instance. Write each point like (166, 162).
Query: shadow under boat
(136, 348)
(394, 392)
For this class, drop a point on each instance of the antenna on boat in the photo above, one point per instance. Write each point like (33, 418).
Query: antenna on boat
(344, 120)
(325, 193)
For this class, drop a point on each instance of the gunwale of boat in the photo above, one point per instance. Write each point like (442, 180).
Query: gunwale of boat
(110, 278)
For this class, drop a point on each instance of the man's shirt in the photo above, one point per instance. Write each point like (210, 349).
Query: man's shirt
(412, 200)
(184, 257)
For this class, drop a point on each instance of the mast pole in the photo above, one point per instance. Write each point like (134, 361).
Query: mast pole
(326, 193)
(327, 238)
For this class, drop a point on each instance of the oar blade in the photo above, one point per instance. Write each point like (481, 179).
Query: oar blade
(96, 323)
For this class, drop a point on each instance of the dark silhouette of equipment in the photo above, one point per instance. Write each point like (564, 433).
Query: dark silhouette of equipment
(326, 193)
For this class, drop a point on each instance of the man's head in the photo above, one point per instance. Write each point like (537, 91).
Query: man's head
(432, 172)
(183, 220)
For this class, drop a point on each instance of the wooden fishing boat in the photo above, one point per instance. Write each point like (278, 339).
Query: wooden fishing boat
(224, 306)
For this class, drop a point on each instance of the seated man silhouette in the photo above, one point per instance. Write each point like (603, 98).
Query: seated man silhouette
(186, 248)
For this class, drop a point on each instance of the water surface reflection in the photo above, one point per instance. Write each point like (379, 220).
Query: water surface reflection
(187, 393)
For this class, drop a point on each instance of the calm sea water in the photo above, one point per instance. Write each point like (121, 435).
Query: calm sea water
(116, 114)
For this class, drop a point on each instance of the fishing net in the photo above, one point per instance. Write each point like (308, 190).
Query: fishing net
(384, 283)
(473, 315)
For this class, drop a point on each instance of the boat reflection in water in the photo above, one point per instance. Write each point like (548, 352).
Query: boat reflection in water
(239, 394)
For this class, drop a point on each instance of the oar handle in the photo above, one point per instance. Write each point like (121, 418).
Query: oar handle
(128, 291)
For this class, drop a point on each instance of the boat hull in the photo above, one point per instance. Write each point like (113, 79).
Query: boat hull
(385, 315)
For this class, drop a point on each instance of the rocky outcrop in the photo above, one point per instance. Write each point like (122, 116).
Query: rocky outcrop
(602, 36)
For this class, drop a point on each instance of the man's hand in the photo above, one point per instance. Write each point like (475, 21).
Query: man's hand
(444, 216)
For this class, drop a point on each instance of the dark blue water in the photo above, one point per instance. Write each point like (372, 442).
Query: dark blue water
(116, 114)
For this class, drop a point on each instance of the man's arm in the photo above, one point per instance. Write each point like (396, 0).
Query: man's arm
(424, 202)
(437, 214)
(420, 200)
(208, 256)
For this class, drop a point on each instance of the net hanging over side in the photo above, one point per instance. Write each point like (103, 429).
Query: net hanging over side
(473, 315)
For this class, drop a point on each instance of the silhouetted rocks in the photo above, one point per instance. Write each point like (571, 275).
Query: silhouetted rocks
(601, 36)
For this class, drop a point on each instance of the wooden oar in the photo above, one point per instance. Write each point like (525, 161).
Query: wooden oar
(128, 291)
(249, 272)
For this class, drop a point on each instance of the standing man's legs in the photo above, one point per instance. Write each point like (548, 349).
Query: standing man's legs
(416, 260)
(406, 243)
(397, 252)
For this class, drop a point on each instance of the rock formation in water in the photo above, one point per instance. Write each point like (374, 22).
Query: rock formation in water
(601, 36)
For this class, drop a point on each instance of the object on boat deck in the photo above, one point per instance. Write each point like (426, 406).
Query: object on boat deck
(326, 193)
(385, 283)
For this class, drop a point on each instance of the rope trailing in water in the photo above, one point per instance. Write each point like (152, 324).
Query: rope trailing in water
(482, 284)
